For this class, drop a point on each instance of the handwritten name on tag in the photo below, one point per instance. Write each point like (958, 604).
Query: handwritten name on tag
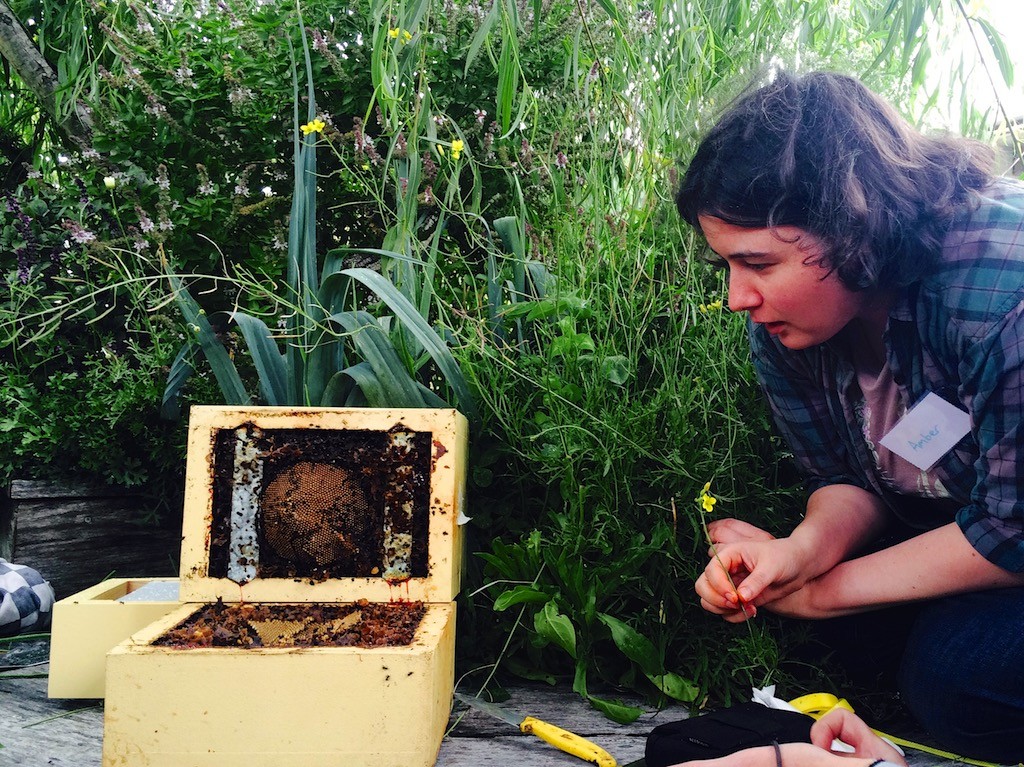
(927, 432)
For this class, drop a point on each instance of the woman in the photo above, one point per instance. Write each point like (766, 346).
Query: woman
(882, 272)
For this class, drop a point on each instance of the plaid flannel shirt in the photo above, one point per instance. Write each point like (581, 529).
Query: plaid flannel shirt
(26, 599)
(959, 332)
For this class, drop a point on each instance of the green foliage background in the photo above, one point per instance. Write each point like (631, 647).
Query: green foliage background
(509, 167)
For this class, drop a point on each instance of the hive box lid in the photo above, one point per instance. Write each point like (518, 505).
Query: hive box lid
(323, 504)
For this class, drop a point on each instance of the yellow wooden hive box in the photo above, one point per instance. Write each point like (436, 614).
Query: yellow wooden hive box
(297, 520)
(86, 625)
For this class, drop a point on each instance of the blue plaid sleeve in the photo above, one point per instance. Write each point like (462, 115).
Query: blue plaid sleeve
(801, 391)
(985, 329)
(26, 599)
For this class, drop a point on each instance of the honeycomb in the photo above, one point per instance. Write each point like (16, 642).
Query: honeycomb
(316, 512)
(319, 504)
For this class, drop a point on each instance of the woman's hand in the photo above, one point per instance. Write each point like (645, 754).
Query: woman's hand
(842, 724)
(752, 571)
(838, 723)
(748, 568)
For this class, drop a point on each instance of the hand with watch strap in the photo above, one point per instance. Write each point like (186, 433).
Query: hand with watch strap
(869, 750)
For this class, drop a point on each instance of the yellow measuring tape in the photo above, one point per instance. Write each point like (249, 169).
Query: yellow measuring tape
(817, 704)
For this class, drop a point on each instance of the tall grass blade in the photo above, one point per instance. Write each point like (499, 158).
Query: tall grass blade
(375, 348)
(270, 364)
(223, 368)
(432, 343)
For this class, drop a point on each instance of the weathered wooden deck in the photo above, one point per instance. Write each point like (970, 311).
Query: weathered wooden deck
(39, 732)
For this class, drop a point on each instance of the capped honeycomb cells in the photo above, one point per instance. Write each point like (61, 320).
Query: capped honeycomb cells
(318, 514)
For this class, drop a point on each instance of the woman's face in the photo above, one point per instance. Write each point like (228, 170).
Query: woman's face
(773, 277)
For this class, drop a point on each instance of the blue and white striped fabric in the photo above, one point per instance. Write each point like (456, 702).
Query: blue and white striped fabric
(26, 599)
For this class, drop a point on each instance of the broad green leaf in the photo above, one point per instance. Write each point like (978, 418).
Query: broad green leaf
(675, 686)
(366, 381)
(375, 348)
(556, 628)
(508, 81)
(519, 595)
(511, 236)
(428, 338)
(266, 357)
(481, 35)
(633, 645)
(610, 8)
(181, 369)
(615, 369)
(223, 368)
(617, 711)
(995, 41)
(337, 391)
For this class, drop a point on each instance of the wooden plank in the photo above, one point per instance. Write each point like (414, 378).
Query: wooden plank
(38, 732)
(36, 489)
(77, 541)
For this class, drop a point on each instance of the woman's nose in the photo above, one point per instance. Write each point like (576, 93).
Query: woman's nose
(742, 294)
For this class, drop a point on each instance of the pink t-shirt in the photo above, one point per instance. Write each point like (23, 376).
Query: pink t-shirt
(878, 411)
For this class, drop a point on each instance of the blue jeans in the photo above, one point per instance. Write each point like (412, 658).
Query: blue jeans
(962, 673)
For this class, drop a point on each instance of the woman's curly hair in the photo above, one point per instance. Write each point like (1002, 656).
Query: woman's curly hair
(823, 153)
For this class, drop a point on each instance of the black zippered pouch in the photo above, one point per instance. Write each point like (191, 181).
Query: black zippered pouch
(724, 731)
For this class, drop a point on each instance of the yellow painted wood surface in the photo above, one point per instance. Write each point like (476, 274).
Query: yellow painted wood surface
(87, 625)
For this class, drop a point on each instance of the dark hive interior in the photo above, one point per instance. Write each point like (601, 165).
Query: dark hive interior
(363, 624)
(319, 504)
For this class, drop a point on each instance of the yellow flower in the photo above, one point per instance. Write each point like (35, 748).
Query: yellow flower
(393, 33)
(406, 35)
(707, 501)
(714, 306)
(316, 126)
(457, 147)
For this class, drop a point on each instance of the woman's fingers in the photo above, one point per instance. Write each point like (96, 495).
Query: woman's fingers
(851, 729)
(730, 530)
(730, 614)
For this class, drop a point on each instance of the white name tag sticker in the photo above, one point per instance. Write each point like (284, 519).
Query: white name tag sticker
(927, 432)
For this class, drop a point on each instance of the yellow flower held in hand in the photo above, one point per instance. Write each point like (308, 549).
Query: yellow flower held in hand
(317, 126)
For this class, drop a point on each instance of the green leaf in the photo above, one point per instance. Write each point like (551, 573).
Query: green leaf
(556, 628)
(223, 368)
(615, 369)
(999, 50)
(508, 81)
(338, 389)
(181, 370)
(519, 595)
(396, 385)
(617, 711)
(675, 686)
(270, 365)
(428, 338)
(633, 645)
(481, 35)
(611, 10)
(511, 236)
